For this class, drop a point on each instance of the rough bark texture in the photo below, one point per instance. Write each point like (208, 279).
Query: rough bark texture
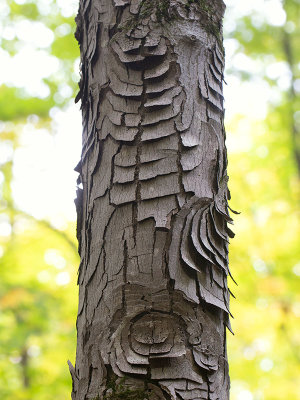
(153, 213)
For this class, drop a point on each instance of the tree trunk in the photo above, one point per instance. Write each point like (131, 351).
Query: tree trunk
(152, 211)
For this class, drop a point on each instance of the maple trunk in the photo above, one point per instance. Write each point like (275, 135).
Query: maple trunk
(152, 210)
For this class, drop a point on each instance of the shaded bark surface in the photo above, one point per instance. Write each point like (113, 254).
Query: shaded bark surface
(153, 213)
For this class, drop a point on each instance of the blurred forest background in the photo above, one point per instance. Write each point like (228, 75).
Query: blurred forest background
(40, 139)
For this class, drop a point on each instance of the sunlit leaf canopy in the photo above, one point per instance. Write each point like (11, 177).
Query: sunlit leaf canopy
(40, 139)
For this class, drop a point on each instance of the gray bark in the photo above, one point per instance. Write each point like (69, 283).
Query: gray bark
(152, 211)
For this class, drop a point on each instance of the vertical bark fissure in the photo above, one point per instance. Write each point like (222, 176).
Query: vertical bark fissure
(153, 292)
(138, 163)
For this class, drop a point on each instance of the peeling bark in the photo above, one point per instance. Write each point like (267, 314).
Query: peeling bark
(153, 212)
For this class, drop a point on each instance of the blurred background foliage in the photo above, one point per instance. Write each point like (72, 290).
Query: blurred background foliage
(40, 144)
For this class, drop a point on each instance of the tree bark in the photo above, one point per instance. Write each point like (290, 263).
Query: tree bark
(152, 211)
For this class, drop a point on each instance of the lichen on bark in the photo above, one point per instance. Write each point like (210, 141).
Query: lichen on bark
(165, 12)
